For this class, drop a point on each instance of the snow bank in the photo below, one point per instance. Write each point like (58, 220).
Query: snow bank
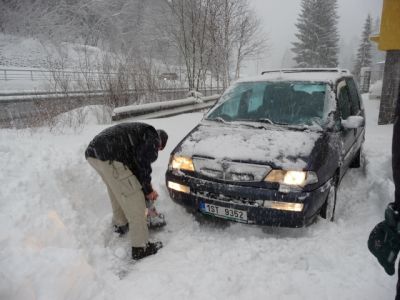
(82, 116)
(57, 243)
(22, 52)
(25, 54)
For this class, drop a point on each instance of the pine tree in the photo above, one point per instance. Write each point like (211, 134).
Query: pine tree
(318, 38)
(364, 50)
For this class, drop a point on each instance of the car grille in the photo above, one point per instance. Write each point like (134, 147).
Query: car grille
(229, 199)
(230, 171)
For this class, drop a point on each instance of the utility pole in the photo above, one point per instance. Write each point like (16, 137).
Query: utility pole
(389, 40)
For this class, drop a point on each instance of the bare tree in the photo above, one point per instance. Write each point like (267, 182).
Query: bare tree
(187, 27)
(250, 40)
(214, 36)
(227, 34)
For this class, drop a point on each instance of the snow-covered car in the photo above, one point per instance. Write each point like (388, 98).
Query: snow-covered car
(273, 149)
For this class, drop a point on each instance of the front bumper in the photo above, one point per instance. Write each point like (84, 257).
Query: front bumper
(249, 199)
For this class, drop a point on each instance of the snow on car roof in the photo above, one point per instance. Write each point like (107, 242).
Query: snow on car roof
(316, 75)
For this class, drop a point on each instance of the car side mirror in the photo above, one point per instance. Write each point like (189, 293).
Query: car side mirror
(353, 122)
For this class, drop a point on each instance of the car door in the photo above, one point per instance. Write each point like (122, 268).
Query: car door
(348, 136)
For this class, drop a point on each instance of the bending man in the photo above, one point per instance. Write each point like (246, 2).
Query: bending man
(122, 155)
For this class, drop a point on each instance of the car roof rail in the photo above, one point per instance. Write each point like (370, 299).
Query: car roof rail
(311, 70)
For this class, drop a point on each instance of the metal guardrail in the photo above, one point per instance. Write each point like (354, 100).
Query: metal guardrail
(44, 74)
(166, 80)
(15, 96)
(164, 108)
(18, 109)
(41, 93)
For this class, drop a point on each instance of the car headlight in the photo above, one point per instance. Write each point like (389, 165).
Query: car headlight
(292, 178)
(181, 163)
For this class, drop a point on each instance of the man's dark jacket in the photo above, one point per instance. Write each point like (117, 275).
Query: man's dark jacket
(133, 144)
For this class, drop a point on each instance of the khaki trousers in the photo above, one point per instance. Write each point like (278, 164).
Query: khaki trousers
(127, 198)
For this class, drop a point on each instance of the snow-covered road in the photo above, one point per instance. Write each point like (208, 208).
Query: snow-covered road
(56, 240)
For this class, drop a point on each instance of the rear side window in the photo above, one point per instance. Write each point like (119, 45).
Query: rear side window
(354, 96)
(344, 102)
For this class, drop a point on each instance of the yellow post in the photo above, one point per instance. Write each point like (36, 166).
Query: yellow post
(389, 40)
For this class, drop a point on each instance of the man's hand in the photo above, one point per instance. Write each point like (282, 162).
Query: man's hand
(152, 196)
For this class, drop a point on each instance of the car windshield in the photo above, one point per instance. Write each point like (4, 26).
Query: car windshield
(283, 103)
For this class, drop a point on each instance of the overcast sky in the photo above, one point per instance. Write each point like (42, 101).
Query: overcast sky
(278, 18)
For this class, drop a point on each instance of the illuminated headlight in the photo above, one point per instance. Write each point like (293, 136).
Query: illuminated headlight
(179, 187)
(292, 178)
(284, 205)
(181, 163)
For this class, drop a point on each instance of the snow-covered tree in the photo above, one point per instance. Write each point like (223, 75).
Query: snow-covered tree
(206, 36)
(113, 23)
(318, 38)
(364, 50)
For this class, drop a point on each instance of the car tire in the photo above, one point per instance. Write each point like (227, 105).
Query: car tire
(329, 207)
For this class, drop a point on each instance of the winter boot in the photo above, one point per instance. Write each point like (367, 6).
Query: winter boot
(149, 249)
(121, 229)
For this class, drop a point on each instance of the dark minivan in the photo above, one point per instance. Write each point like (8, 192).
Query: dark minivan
(273, 149)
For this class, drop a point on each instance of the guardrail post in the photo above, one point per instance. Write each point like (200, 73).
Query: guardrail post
(31, 75)
(5, 74)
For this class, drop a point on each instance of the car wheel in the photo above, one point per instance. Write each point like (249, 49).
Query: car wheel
(328, 209)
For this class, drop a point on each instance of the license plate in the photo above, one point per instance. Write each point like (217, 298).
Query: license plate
(224, 212)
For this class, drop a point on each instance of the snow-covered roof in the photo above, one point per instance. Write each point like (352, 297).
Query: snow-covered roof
(318, 75)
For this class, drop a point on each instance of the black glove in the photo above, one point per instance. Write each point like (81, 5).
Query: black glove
(384, 240)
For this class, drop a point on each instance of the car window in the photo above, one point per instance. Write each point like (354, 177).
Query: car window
(256, 99)
(344, 102)
(293, 103)
(231, 108)
(354, 96)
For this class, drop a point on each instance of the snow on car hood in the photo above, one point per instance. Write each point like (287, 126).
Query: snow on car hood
(276, 146)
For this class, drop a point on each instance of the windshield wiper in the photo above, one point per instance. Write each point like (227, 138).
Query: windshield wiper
(265, 120)
(298, 127)
(217, 119)
(281, 123)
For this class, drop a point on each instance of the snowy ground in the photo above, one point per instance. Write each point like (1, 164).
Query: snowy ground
(56, 240)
